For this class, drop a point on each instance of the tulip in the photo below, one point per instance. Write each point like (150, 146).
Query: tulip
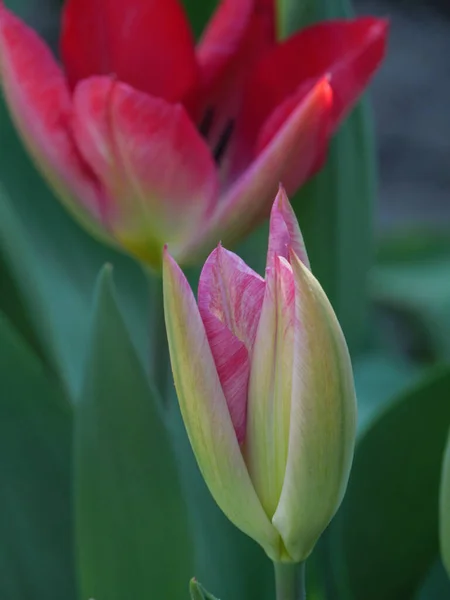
(148, 138)
(265, 387)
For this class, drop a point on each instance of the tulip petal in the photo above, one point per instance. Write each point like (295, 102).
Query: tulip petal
(284, 232)
(230, 296)
(222, 38)
(205, 412)
(150, 158)
(239, 33)
(347, 52)
(148, 45)
(294, 149)
(269, 396)
(38, 99)
(323, 420)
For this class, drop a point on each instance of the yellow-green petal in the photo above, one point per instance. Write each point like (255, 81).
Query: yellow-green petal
(323, 420)
(205, 413)
(444, 509)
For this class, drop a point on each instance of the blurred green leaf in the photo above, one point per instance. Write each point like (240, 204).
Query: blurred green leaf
(335, 208)
(36, 556)
(385, 537)
(379, 379)
(444, 508)
(436, 585)
(411, 279)
(198, 592)
(132, 535)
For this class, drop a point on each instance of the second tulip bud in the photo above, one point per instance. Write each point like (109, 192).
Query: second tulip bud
(265, 386)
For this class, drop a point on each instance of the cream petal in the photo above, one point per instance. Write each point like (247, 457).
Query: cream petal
(323, 420)
(205, 412)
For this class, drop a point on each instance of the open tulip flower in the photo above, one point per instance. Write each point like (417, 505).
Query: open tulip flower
(265, 386)
(148, 138)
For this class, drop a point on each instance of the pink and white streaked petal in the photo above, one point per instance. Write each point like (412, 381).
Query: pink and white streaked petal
(269, 396)
(38, 98)
(230, 296)
(205, 412)
(289, 158)
(323, 420)
(149, 156)
(284, 232)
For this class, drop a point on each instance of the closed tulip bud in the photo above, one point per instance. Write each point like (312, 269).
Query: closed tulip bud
(265, 386)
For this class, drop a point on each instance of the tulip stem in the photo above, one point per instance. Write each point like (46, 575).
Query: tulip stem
(290, 581)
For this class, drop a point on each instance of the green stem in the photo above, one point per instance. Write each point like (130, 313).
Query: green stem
(290, 581)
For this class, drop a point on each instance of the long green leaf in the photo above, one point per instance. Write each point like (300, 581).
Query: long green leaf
(385, 537)
(132, 535)
(36, 550)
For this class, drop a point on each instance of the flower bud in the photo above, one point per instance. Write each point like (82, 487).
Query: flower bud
(265, 386)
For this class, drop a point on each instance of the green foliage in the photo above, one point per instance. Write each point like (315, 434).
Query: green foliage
(385, 537)
(198, 592)
(131, 526)
(36, 552)
(411, 280)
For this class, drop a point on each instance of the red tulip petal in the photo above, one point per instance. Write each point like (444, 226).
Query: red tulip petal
(38, 99)
(348, 52)
(238, 35)
(150, 157)
(288, 158)
(230, 297)
(145, 43)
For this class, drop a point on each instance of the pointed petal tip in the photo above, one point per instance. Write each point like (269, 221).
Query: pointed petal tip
(284, 230)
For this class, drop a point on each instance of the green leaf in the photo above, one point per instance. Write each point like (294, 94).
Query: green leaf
(132, 535)
(385, 538)
(36, 557)
(436, 585)
(411, 280)
(379, 379)
(335, 209)
(198, 592)
(444, 508)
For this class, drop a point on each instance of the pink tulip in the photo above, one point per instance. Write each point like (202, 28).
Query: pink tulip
(148, 138)
(265, 387)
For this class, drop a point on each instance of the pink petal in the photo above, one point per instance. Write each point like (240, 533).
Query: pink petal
(284, 233)
(238, 35)
(270, 386)
(205, 412)
(230, 297)
(293, 151)
(145, 43)
(348, 52)
(150, 157)
(38, 99)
